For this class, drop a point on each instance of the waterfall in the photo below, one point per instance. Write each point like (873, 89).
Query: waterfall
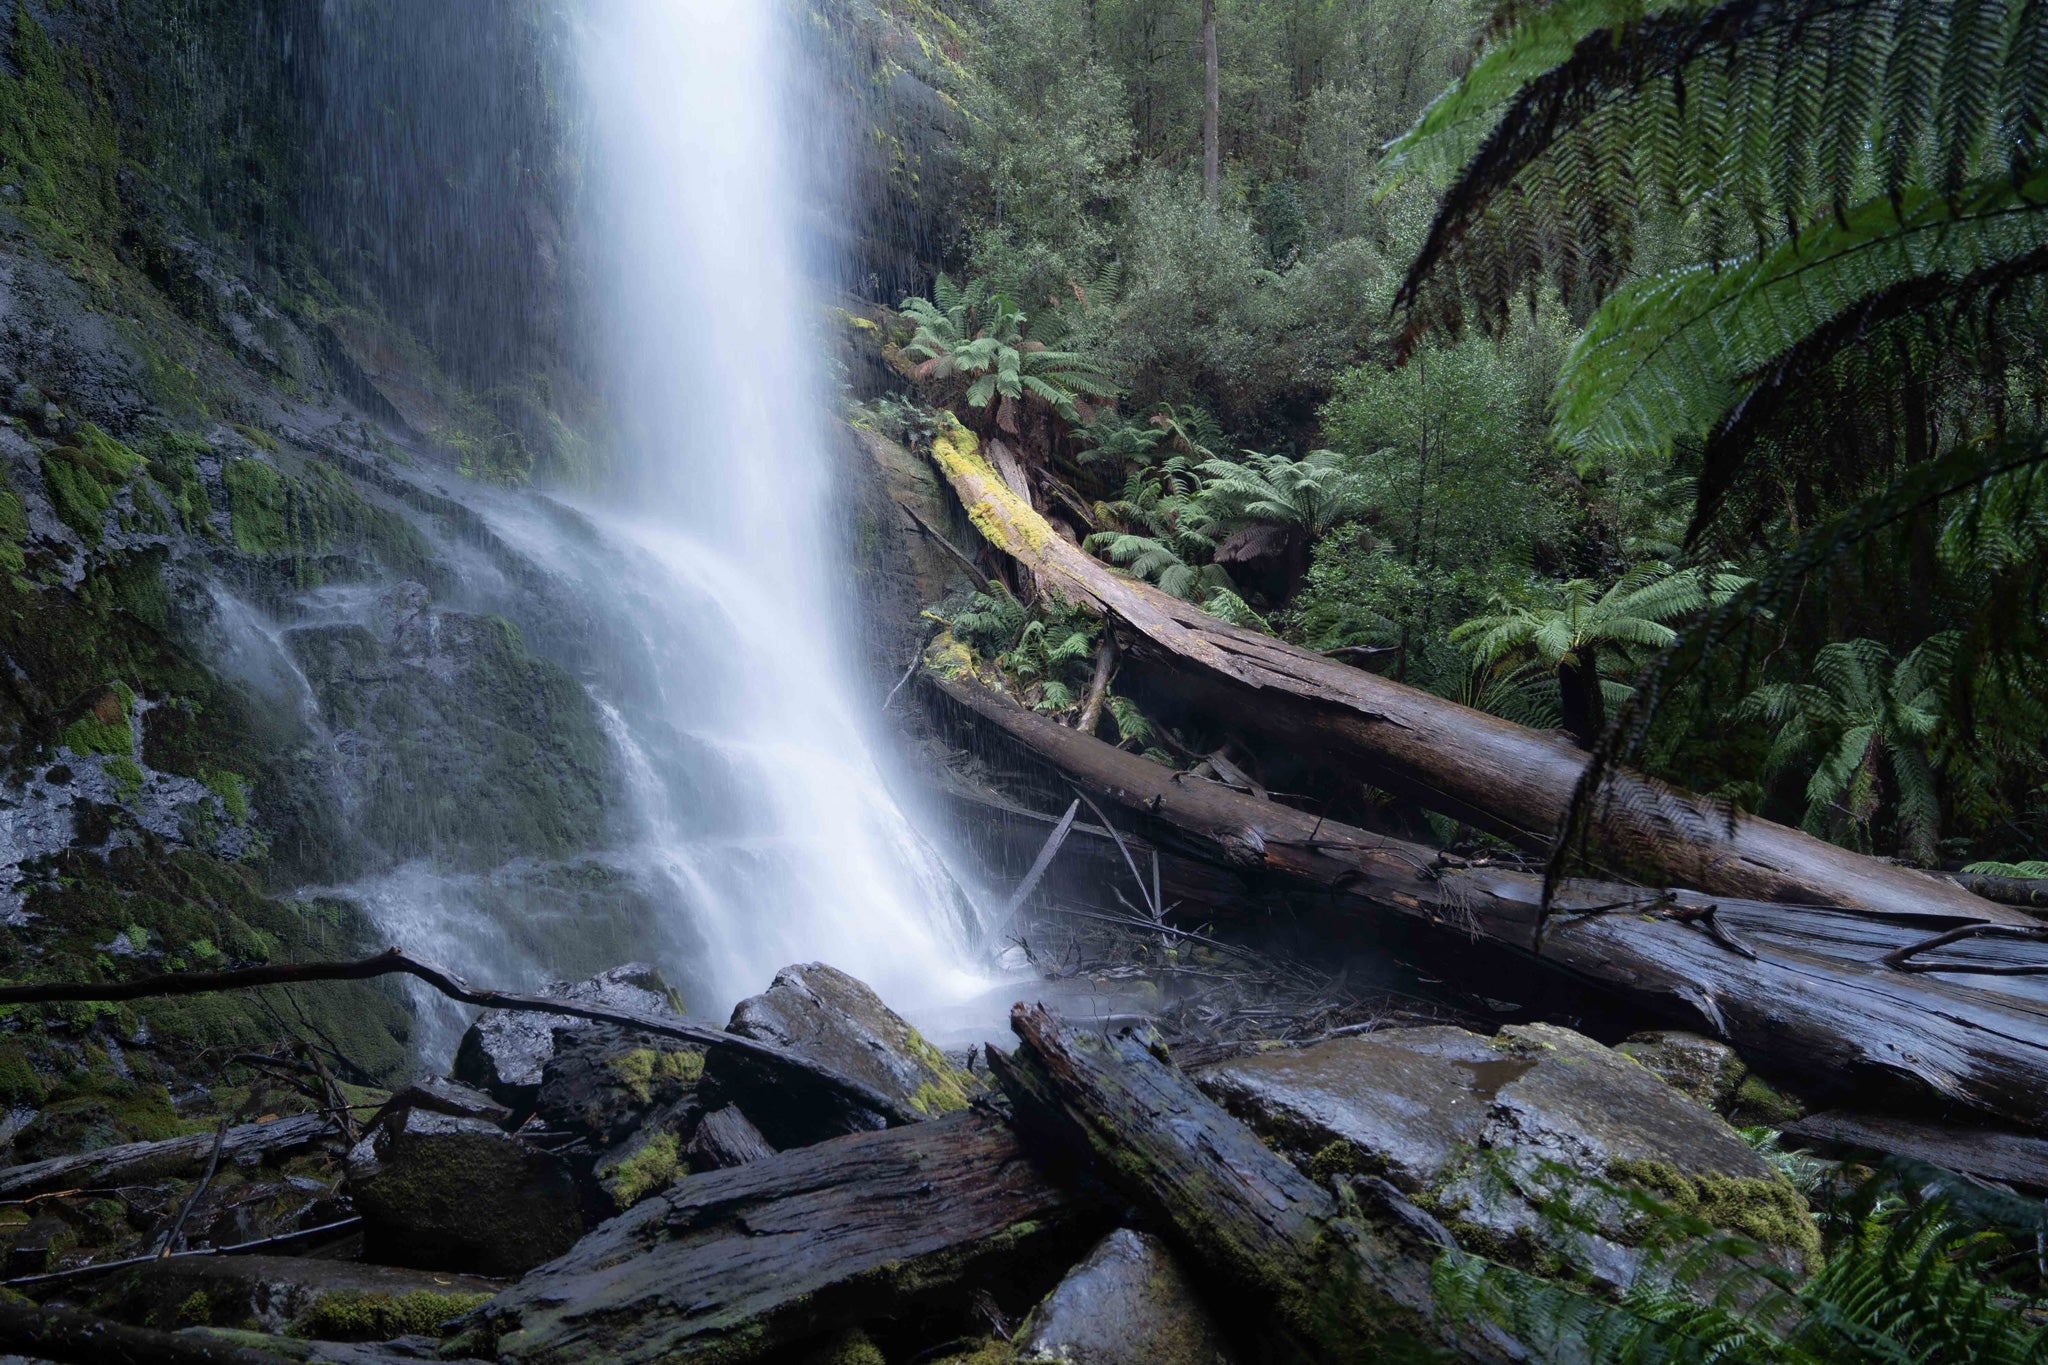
(752, 768)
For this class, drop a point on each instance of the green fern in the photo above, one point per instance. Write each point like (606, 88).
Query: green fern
(975, 335)
(1865, 718)
(1666, 358)
(1313, 494)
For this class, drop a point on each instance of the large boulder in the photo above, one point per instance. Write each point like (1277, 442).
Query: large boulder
(1129, 1303)
(602, 1083)
(505, 1052)
(1535, 1146)
(821, 1013)
(446, 1193)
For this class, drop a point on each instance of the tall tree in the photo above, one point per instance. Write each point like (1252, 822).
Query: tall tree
(1212, 107)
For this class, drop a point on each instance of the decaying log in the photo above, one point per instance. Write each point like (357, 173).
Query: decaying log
(2009, 1158)
(1799, 990)
(1491, 773)
(1339, 1282)
(138, 1163)
(59, 1334)
(735, 1264)
(2030, 892)
(392, 962)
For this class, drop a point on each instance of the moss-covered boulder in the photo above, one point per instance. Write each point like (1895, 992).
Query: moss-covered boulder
(1538, 1146)
(445, 1193)
(1129, 1303)
(505, 1053)
(820, 1012)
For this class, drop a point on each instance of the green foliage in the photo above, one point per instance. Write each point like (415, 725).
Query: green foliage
(1314, 494)
(1866, 723)
(971, 333)
(1047, 651)
(1918, 1287)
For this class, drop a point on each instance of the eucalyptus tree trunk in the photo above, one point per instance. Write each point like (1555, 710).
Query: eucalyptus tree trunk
(1212, 108)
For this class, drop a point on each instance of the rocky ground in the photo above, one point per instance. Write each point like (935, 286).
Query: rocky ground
(574, 1191)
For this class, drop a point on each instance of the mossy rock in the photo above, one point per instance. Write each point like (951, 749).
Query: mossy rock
(357, 1315)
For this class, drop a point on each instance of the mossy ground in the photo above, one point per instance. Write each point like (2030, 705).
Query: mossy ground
(354, 1315)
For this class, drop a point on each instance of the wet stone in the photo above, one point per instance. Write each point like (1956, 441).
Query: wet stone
(446, 1193)
(506, 1052)
(1705, 1069)
(821, 1013)
(1496, 1136)
(1129, 1303)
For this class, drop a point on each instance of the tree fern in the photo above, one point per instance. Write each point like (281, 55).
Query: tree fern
(1666, 358)
(1315, 493)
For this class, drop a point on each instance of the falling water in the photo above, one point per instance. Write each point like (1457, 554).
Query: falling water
(754, 775)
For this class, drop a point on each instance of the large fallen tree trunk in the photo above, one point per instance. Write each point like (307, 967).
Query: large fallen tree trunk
(1338, 1283)
(138, 1163)
(1802, 991)
(1498, 776)
(736, 1264)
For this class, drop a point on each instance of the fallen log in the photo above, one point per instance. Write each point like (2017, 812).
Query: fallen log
(1801, 991)
(73, 1338)
(1340, 1282)
(392, 962)
(138, 1163)
(2009, 1158)
(1504, 778)
(735, 1264)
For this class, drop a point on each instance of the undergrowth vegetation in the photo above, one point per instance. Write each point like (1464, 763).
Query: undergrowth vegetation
(1670, 375)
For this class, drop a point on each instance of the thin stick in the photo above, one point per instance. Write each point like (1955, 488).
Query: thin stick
(1046, 853)
(915, 660)
(1121, 846)
(1901, 959)
(392, 962)
(980, 574)
(206, 1178)
(238, 1249)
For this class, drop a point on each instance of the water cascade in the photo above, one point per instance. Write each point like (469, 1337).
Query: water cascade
(752, 772)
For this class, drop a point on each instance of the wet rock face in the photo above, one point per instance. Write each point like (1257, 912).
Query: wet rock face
(447, 1193)
(820, 1012)
(1703, 1068)
(1488, 1134)
(1129, 1303)
(506, 1052)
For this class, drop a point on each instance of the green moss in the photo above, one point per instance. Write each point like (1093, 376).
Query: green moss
(82, 483)
(174, 466)
(231, 788)
(262, 440)
(1766, 1209)
(196, 1310)
(356, 1315)
(1758, 1102)
(19, 1081)
(654, 1167)
(1337, 1158)
(645, 1070)
(127, 774)
(258, 506)
(13, 532)
(58, 143)
(990, 1352)
(948, 1088)
(105, 728)
(851, 1347)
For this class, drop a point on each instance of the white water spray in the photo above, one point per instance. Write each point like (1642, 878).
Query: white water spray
(779, 839)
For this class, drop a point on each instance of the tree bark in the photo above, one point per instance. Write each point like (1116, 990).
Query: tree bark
(59, 1334)
(736, 1264)
(1098, 685)
(137, 1163)
(1500, 777)
(1799, 990)
(1338, 1282)
(1212, 109)
(392, 962)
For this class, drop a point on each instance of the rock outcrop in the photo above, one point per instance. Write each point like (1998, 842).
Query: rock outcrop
(1494, 1136)
(820, 1012)
(1129, 1303)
